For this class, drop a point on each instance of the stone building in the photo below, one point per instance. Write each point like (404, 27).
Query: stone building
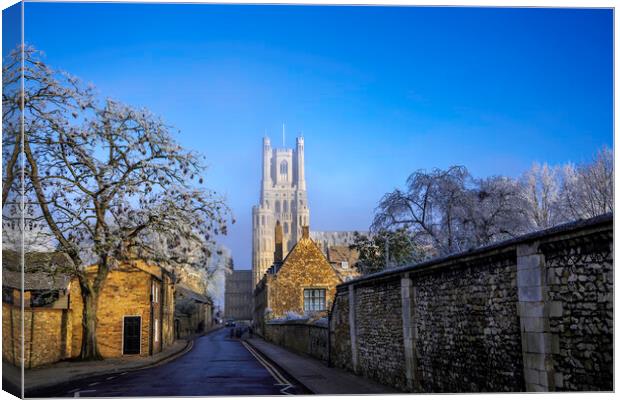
(193, 312)
(302, 283)
(238, 295)
(343, 260)
(135, 312)
(282, 198)
(134, 316)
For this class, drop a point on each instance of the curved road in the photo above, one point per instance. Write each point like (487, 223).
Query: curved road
(216, 366)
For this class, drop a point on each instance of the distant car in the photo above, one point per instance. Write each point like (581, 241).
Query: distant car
(230, 322)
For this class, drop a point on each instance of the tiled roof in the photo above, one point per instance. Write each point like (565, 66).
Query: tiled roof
(35, 280)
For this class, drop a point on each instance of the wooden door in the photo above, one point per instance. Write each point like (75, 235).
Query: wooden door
(131, 335)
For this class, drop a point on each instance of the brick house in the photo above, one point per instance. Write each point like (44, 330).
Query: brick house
(135, 312)
(304, 282)
(134, 317)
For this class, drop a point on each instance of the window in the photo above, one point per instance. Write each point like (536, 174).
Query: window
(277, 206)
(7, 295)
(43, 298)
(156, 330)
(286, 227)
(285, 206)
(284, 169)
(314, 299)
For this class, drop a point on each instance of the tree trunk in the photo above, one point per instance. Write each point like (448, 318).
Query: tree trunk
(89, 350)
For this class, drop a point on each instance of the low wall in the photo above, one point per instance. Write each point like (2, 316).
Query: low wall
(530, 314)
(300, 336)
(46, 332)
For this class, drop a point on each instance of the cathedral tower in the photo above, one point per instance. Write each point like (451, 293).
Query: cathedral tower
(282, 198)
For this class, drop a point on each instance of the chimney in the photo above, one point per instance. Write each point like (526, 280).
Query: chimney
(277, 254)
(305, 232)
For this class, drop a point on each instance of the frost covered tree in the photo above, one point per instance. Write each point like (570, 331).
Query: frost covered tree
(588, 189)
(107, 177)
(541, 186)
(449, 211)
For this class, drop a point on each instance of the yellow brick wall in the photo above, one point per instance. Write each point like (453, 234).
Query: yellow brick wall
(46, 331)
(126, 292)
(305, 267)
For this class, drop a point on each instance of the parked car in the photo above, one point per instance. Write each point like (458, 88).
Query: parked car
(230, 322)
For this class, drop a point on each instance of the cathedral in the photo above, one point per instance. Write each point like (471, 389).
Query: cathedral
(282, 198)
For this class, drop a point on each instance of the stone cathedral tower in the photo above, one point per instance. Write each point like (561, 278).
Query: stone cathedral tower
(282, 198)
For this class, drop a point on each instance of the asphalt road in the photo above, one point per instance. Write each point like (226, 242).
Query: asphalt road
(216, 366)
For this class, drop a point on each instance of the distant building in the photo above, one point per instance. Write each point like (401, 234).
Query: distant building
(303, 283)
(283, 198)
(193, 312)
(238, 295)
(343, 260)
(325, 239)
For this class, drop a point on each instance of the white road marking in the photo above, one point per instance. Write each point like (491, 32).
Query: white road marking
(74, 390)
(77, 394)
(109, 378)
(94, 383)
(272, 370)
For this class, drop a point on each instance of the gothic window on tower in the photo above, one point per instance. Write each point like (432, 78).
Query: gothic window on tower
(284, 206)
(286, 227)
(284, 170)
(277, 206)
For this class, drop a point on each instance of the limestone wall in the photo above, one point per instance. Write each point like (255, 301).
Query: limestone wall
(46, 335)
(300, 336)
(580, 282)
(530, 314)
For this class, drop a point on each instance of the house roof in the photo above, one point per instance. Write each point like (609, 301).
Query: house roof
(36, 261)
(339, 254)
(304, 242)
(35, 280)
(187, 292)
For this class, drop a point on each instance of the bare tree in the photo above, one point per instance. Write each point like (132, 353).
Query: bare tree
(588, 189)
(492, 211)
(430, 208)
(107, 178)
(541, 186)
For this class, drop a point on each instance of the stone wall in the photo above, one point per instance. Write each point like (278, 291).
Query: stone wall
(530, 314)
(467, 328)
(580, 279)
(47, 333)
(380, 359)
(300, 336)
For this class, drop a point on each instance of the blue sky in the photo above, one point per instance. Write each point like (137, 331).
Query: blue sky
(378, 92)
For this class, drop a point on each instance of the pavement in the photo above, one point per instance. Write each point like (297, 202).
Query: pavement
(37, 379)
(314, 375)
(216, 365)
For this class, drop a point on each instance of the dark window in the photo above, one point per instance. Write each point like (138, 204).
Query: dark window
(314, 299)
(7, 295)
(43, 298)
